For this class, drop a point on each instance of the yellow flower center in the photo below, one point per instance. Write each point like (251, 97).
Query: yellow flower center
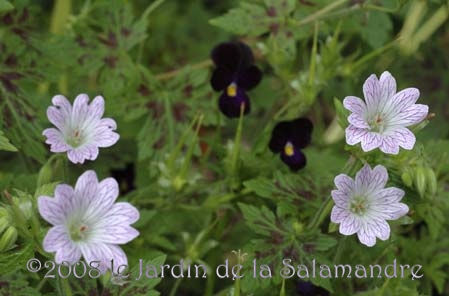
(231, 90)
(289, 149)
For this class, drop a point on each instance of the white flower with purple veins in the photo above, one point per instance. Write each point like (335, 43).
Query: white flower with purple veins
(363, 205)
(381, 120)
(80, 130)
(86, 222)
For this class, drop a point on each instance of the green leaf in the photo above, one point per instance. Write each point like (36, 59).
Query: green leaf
(262, 221)
(46, 189)
(4, 141)
(12, 261)
(5, 6)
(246, 20)
(342, 113)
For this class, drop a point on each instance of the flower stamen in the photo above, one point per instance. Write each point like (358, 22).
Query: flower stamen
(289, 149)
(231, 90)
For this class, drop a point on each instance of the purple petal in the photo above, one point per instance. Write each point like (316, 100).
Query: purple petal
(56, 140)
(51, 210)
(350, 225)
(339, 214)
(62, 104)
(366, 236)
(404, 137)
(80, 109)
(387, 87)
(389, 195)
(96, 108)
(371, 141)
(56, 238)
(409, 116)
(354, 104)
(358, 121)
(250, 77)
(230, 106)
(354, 134)
(389, 145)
(86, 189)
(391, 211)
(106, 194)
(80, 154)
(59, 114)
(371, 91)
(97, 253)
(104, 135)
(340, 198)
(402, 100)
(104, 253)
(344, 183)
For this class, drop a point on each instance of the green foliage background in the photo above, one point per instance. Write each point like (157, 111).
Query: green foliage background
(203, 189)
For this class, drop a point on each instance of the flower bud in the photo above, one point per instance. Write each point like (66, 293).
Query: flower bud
(407, 178)
(5, 219)
(420, 180)
(8, 238)
(431, 179)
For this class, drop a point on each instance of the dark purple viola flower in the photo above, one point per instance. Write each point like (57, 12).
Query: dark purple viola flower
(288, 138)
(234, 74)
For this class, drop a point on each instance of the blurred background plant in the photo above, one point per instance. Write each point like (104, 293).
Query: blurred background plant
(203, 190)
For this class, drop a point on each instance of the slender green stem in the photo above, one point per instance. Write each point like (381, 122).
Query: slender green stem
(176, 286)
(320, 13)
(282, 293)
(151, 8)
(236, 148)
(373, 54)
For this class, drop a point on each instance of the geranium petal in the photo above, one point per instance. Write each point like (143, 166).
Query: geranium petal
(354, 104)
(371, 141)
(339, 214)
(56, 140)
(358, 121)
(354, 134)
(372, 92)
(350, 225)
(389, 145)
(344, 183)
(366, 236)
(104, 133)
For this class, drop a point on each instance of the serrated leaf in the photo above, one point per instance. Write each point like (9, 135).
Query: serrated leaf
(248, 19)
(262, 220)
(46, 189)
(16, 259)
(4, 141)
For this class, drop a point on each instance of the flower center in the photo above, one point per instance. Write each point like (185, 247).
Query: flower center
(231, 90)
(75, 138)
(289, 149)
(78, 232)
(358, 205)
(377, 124)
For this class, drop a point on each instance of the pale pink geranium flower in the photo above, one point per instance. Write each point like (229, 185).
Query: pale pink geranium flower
(86, 222)
(80, 130)
(381, 120)
(363, 205)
